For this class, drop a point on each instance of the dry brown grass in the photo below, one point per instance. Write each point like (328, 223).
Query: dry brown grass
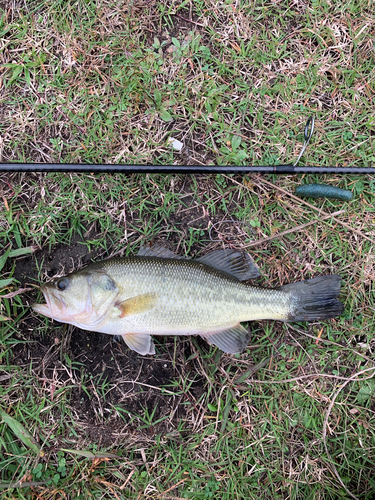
(92, 96)
(84, 77)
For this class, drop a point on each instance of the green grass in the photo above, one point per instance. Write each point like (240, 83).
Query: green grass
(232, 438)
(104, 81)
(107, 81)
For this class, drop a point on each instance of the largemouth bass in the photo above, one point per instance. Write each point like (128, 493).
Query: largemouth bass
(159, 293)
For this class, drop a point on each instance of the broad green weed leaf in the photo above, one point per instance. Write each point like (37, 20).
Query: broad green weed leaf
(27, 76)
(236, 141)
(22, 251)
(16, 71)
(211, 407)
(20, 431)
(89, 454)
(4, 283)
(176, 43)
(157, 96)
(166, 116)
(3, 258)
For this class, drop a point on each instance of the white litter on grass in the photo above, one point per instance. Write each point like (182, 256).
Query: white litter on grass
(176, 144)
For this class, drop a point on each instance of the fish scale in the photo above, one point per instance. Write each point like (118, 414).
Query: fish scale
(191, 294)
(158, 293)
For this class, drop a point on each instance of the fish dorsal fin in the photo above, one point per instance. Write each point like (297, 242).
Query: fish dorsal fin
(233, 262)
(137, 304)
(232, 341)
(142, 343)
(157, 250)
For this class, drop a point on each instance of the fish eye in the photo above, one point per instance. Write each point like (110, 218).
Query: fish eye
(62, 284)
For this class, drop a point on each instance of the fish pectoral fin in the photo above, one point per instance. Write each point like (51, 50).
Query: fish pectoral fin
(232, 341)
(238, 264)
(137, 304)
(139, 342)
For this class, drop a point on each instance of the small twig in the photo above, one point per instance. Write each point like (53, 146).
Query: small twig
(331, 343)
(313, 375)
(98, 398)
(173, 487)
(147, 385)
(128, 478)
(298, 228)
(236, 133)
(190, 21)
(325, 424)
(249, 373)
(222, 222)
(69, 119)
(304, 203)
(293, 33)
(26, 484)
(13, 294)
(318, 210)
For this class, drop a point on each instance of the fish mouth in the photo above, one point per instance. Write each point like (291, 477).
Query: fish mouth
(54, 305)
(42, 309)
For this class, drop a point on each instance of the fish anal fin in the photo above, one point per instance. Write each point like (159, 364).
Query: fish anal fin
(137, 304)
(232, 341)
(238, 264)
(142, 343)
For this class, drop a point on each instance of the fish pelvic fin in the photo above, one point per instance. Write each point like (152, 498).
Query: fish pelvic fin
(314, 299)
(232, 341)
(142, 343)
(137, 304)
(238, 264)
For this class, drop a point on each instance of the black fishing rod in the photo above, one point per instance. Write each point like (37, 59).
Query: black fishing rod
(179, 169)
(190, 169)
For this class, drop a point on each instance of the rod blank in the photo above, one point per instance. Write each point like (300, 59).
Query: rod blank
(180, 169)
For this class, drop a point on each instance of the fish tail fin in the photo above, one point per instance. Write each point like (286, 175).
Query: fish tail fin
(315, 298)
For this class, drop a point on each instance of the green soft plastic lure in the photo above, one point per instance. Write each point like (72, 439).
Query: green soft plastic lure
(323, 191)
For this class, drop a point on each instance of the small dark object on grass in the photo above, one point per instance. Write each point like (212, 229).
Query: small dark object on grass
(324, 191)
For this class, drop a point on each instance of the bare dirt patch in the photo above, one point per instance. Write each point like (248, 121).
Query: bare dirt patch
(112, 385)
